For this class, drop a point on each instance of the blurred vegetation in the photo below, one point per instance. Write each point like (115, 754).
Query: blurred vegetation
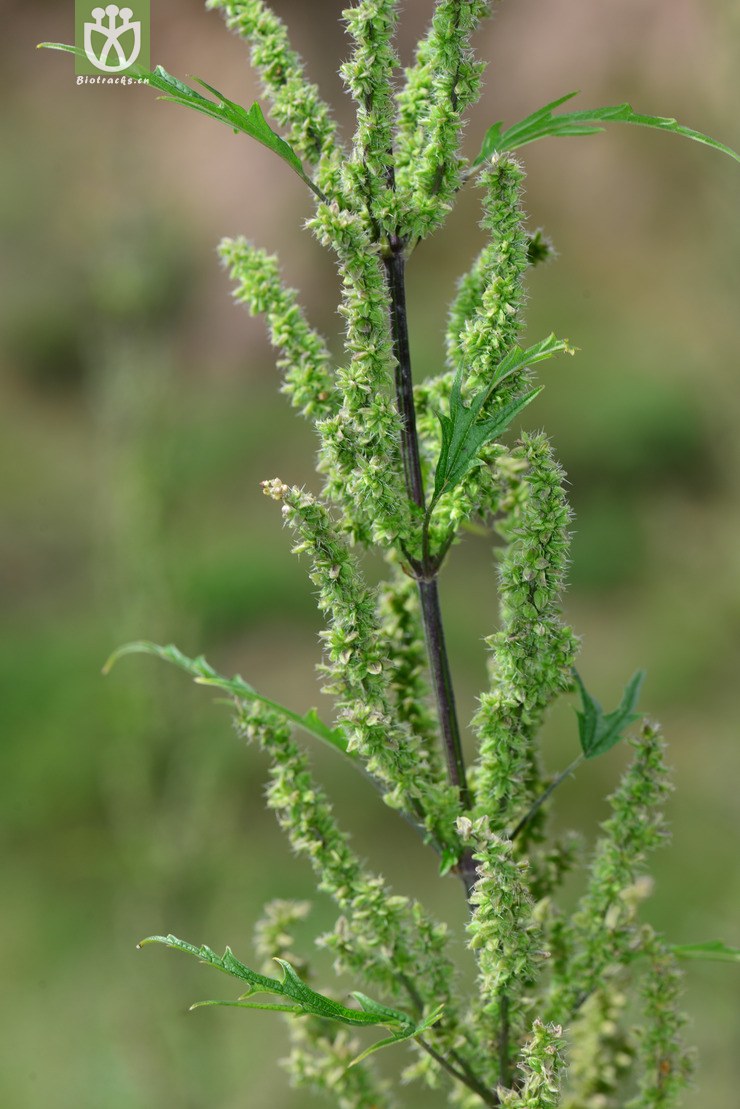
(139, 412)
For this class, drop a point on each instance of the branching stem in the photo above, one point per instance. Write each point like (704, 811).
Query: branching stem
(395, 263)
(570, 769)
(439, 665)
(465, 1076)
(442, 682)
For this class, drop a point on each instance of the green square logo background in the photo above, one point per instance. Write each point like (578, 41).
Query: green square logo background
(83, 15)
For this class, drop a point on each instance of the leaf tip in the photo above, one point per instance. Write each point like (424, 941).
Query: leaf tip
(113, 658)
(109, 663)
(149, 939)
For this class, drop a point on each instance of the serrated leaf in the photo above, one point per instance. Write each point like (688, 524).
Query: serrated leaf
(299, 998)
(470, 434)
(543, 123)
(204, 674)
(463, 433)
(599, 732)
(713, 950)
(247, 121)
(518, 358)
(374, 1008)
(227, 963)
(399, 1037)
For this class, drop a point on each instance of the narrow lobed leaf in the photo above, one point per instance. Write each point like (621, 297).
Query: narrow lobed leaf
(247, 121)
(463, 434)
(713, 950)
(305, 1001)
(543, 123)
(204, 674)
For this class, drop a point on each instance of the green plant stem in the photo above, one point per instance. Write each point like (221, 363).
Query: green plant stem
(570, 768)
(462, 1071)
(465, 1076)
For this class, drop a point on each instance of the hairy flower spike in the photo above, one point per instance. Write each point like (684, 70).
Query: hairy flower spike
(602, 1052)
(542, 1066)
(667, 1064)
(402, 639)
(485, 319)
(320, 1060)
(304, 356)
(484, 324)
(533, 653)
(604, 931)
(468, 301)
(503, 933)
(353, 648)
(361, 443)
(273, 933)
(296, 103)
(443, 83)
(368, 76)
(387, 939)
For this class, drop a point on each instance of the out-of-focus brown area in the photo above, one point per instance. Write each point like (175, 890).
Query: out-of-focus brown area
(140, 410)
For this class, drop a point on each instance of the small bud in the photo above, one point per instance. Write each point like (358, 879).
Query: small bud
(274, 488)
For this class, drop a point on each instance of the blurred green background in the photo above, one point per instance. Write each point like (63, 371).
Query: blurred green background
(140, 410)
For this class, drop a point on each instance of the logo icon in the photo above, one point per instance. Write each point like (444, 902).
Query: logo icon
(113, 38)
(103, 38)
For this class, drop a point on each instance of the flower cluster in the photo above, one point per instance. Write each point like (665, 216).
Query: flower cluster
(444, 81)
(532, 654)
(295, 101)
(360, 453)
(368, 76)
(354, 666)
(386, 938)
(304, 357)
(483, 325)
(542, 1066)
(604, 932)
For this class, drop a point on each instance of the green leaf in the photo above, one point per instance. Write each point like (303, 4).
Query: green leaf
(463, 433)
(713, 950)
(449, 859)
(204, 674)
(467, 435)
(301, 999)
(247, 121)
(398, 1037)
(598, 731)
(544, 122)
(518, 359)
